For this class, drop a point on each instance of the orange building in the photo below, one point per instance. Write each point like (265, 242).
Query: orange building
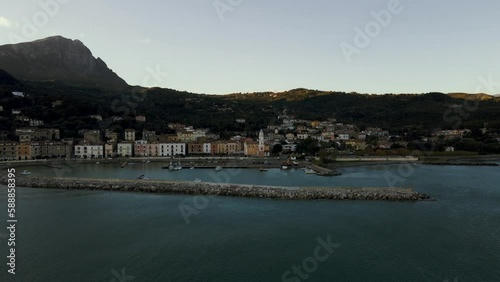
(23, 151)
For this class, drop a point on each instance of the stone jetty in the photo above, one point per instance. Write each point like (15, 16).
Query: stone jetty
(461, 163)
(234, 190)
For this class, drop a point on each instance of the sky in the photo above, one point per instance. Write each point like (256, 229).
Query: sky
(232, 46)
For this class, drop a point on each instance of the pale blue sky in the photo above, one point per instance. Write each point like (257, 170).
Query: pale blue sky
(274, 45)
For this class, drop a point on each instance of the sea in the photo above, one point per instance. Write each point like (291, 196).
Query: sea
(90, 236)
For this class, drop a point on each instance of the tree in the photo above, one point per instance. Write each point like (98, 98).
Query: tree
(277, 148)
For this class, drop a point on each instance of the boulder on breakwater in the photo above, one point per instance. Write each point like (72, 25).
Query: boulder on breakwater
(461, 163)
(234, 190)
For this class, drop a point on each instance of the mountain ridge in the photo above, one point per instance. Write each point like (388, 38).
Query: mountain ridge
(57, 58)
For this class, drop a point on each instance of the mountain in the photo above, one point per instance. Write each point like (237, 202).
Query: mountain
(58, 59)
(8, 80)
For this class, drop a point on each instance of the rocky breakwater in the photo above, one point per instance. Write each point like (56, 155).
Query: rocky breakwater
(234, 190)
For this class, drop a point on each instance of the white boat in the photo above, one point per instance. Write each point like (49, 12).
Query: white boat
(25, 172)
(218, 168)
(192, 167)
(284, 167)
(197, 180)
(309, 171)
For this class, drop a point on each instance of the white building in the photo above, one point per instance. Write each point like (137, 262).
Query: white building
(89, 151)
(36, 122)
(172, 149)
(124, 149)
(207, 148)
(343, 136)
(302, 136)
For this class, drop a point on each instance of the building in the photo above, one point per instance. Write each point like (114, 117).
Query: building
(130, 135)
(109, 150)
(140, 118)
(49, 149)
(356, 144)
(289, 148)
(23, 151)
(302, 135)
(36, 122)
(8, 151)
(96, 117)
(93, 136)
(327, 136)
(195, 148)
(37, 134)
(164, 138)
(18, 94)
(57, 103)
(124, 150)
(111, 137)
(343, 136)
(450, 149)
(251, 148)
(241, 120)
(207, 148)
(146, 134)
(152, 150)
(140, 148)
(172, 149)
(176, 126)
(34, 150)
(88, 151)
(186, 136)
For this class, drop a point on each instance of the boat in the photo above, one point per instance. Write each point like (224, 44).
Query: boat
(218, 168)
(295, 163)
(263, 169)
(144, 176)
(197, 180)
(309, 171)
(192, 167)
(285, 165)
(25, 172)
(97, 162)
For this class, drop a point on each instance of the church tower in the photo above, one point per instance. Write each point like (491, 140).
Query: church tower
(262, 146)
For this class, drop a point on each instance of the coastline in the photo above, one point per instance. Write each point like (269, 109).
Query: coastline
(218, 189)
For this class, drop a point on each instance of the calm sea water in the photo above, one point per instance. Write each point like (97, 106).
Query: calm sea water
(94, 236)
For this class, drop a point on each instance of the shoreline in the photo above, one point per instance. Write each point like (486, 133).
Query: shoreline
(218, 189)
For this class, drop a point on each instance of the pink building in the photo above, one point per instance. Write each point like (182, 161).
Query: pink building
(153, 150)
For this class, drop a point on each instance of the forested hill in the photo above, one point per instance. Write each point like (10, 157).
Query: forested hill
(422, 112)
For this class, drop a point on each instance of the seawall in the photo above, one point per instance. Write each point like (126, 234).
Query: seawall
(234, 190)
